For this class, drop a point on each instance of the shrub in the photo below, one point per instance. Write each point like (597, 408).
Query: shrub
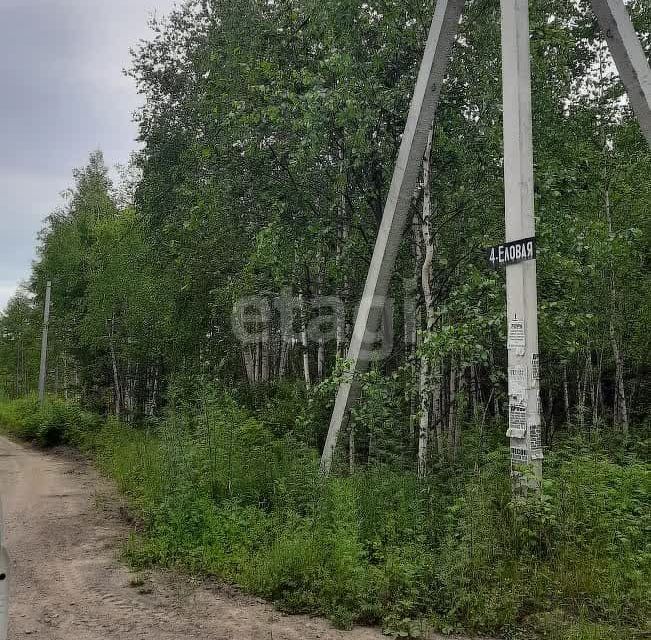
(218, 492)
(56, 422)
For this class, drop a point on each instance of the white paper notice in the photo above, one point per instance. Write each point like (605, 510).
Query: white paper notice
(535, 368)
(517, 420)
(518, 384)
(517, 337)
(536, 436)
(518, 375)
(519, 455)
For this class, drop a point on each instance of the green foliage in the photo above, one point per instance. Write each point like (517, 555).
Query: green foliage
(19, 346)
(217, 493)
(582, 543)
(269, 135)
(270, 131)
(56, 423)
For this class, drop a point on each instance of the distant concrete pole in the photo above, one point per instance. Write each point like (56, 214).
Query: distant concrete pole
(410, 158)
(522, 296)
(46, 326)
(629, 57)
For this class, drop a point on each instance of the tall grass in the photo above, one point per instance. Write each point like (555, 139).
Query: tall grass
(218, 492)
(56, 422)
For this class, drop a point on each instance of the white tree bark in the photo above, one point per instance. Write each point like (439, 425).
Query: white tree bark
(621, 407)
(566, 395)
(117, 392)
(305, 344)
(249, 363)
(582, 383)
(284, 358)
(321, 346)
(351, 448)
(342, 239)
(453, 427)
(426, 278)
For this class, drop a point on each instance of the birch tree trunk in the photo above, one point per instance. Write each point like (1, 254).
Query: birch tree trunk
(596, 385)
(476, 393)
(265, 355)
(550, 414)
(566, 395)
(410, 356)
(453, 436)
(423, 432)
(351, 448)
(284, 357)
(342, 334)
(582, 387)
(152, 402)
(116, 374)
(426, 278)
(620, 408)
(249, 363)
(412, 332)
(342, 240)
(256, 364)
(321, 346)
(437, 413)
(305, 343)
(265, 349)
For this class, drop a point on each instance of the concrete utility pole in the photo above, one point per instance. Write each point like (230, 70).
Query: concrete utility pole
(519, 252)
(521, 289)
(46, 325)
(410, 158)
(629, 57)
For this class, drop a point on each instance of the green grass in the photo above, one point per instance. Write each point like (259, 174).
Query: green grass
(57, 422)
(217, 492)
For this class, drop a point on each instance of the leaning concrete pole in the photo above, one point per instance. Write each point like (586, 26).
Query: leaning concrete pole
(46, 325)
(410, 158)
(522, 296)
(629, 57)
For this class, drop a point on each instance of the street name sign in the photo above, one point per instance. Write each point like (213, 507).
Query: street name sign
(504, 255)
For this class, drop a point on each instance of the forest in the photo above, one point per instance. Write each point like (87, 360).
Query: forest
(202, 305)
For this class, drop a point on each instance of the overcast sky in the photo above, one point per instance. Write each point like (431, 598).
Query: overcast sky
(62, 95)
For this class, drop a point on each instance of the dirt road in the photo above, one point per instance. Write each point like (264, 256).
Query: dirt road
(63, 532)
